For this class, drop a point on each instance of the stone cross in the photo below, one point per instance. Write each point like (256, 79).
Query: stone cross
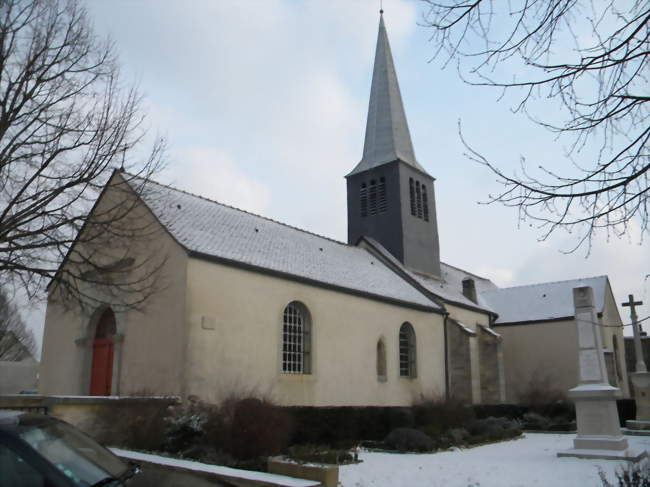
(638, 349)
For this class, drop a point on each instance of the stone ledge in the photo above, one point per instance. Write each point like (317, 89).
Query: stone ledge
(631, 455)
(325, 475)
(232, 476)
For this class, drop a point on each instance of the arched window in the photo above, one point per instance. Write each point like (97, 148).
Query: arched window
(381, 360)
(407, 367)
(296, 339)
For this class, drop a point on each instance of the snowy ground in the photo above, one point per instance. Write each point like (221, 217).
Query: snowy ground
(530, 461)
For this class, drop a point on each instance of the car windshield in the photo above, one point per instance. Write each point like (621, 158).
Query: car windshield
(79, 457)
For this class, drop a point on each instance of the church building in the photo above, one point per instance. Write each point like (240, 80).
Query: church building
(255, 306)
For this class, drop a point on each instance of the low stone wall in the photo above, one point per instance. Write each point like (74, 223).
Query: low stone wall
(17, 377)
(111, 420)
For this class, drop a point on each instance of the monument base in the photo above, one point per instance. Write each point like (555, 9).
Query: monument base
(641, 383)
(630, 455)
(637, 425)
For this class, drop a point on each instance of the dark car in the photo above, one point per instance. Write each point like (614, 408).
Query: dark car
(42, 451)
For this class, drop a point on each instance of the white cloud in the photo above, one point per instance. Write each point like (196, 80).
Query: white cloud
(215, 175)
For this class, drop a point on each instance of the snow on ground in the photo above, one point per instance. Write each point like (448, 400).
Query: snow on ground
(530, 462)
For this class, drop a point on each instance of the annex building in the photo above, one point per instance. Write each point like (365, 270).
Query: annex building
(254, 305)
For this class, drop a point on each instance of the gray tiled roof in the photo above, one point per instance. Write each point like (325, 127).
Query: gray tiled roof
(545, 301)
(387, 132)
(450, 287)
(215, 230)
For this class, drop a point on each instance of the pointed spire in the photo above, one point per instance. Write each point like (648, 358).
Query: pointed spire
(387, 133)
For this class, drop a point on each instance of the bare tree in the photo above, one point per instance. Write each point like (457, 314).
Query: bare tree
(66, 123)
(590, 56)
(16, 341)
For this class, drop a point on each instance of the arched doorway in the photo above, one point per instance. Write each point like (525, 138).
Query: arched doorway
(101, 372)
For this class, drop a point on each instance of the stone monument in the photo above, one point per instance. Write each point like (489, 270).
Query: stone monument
(641, 376)
(599, 434)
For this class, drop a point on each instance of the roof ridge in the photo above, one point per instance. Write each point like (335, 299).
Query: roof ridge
(544, 283)
(467, 272)
(169, 186)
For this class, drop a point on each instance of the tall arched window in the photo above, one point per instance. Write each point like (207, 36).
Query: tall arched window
(407, 365)
(412, 195)
(296, 339)
(381, 360)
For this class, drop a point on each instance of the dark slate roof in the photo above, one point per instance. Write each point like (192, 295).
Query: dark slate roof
(542, 302)
(208, 229)
(387, 133)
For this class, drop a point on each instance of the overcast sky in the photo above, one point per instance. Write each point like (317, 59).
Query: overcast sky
(264, 104)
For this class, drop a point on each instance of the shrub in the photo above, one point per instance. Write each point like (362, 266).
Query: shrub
(317, 454)
(534, 421)
(435, 417)
(186, 425)
(257, 428)
(629, 476)
(492, 429)
(237, 433)
(409, 439)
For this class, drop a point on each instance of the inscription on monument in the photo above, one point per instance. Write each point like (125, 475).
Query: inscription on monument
(589, 366)
(586, 337)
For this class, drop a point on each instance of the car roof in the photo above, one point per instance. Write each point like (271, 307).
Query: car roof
(8, 416)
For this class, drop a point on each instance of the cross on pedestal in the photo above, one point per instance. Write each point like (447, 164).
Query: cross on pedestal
(638, 350)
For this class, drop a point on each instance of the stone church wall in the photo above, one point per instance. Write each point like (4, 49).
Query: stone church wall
(460, 371)
(149, 345)
(539, 356)
(489, 357)
(239, 351)
(471, 319)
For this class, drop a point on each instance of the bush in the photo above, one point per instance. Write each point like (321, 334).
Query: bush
(409, 440)
(629, 476)
(534, 421)
(237, 433)
(317, 454)
(441, 415)
(257, 428)
(493, 429)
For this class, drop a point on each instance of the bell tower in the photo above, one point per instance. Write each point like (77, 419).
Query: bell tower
(390, 195)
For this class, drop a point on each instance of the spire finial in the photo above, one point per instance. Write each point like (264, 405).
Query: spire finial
(381, 7)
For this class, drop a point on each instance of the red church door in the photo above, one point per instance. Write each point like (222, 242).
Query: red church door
(101, 372)
(102, 368)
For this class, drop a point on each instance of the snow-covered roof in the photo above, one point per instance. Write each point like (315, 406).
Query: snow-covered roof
(210, 229)
(540, 302)
(449, 288)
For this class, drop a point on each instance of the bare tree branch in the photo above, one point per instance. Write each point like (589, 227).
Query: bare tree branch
(593, 58)
(66, 123)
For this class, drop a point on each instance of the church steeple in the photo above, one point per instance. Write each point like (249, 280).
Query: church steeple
(387, 132)
(390, 195)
